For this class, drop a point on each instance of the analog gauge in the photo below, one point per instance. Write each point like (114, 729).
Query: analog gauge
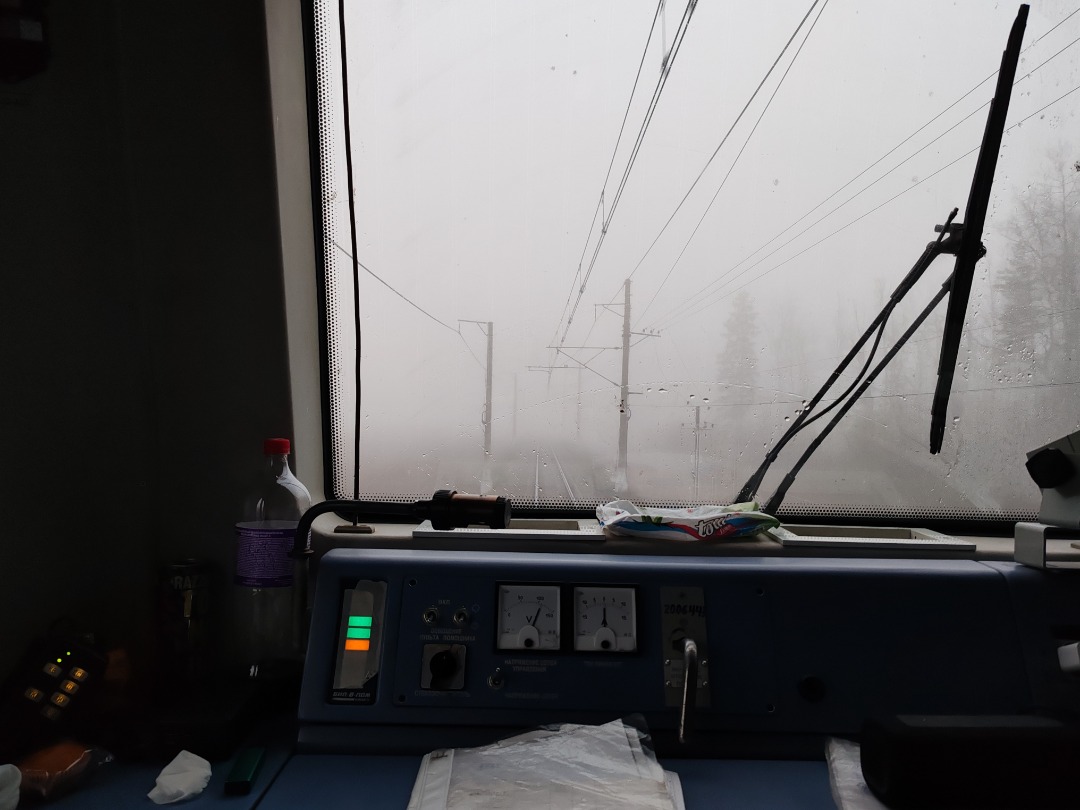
(528, 617)
(605, 619)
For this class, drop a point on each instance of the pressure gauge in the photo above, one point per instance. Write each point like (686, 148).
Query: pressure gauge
(605, 619)
(528, 617)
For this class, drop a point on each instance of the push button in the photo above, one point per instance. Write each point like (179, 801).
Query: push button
(60, 699)
(78, 674)
(34, 694)
(52, 669)
(70, 687)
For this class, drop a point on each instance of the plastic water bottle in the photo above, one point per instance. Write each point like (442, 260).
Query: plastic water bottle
(270, 629)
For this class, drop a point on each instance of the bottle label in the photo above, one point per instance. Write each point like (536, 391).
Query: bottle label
(262, 554)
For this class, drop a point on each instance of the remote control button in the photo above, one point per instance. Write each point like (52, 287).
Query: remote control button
(51, 713)
(70, 687)
(78, 674)
(52, 669)
(34, 694)
(60, 699)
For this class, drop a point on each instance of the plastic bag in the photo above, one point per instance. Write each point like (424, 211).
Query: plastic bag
(606, 767)
(624, 519)
(849, 789)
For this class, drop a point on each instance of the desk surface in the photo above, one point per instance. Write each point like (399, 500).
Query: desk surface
(373, 783)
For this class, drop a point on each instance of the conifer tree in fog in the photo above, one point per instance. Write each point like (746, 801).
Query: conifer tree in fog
(737, 372)
(1037, 329)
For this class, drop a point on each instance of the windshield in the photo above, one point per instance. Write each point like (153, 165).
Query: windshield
(611, 249)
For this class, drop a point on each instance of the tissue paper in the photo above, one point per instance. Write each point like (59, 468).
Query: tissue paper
(10, 779)
(182, 778)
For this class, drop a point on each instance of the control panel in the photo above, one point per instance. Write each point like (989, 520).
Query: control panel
(433, 648)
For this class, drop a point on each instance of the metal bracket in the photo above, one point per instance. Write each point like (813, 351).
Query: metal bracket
(1030, 547)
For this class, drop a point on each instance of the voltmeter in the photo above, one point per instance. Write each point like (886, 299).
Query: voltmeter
(528, 617)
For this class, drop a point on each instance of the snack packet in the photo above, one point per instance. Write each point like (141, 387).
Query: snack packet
(624, 519)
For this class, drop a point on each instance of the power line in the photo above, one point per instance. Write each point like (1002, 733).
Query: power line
(698, 305)
(723, 140)
(657, 92)
(740, 153)
(614, 152)
(667, 318)
(901, 143)
(395, 292)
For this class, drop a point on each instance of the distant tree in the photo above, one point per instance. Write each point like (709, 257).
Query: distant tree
(1038, 292)
(736, 365)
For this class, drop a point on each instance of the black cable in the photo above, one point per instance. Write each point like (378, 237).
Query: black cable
(352, 233)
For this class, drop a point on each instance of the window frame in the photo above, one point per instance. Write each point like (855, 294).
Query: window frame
(398, 510)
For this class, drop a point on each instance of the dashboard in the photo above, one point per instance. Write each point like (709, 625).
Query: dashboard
(411, 650)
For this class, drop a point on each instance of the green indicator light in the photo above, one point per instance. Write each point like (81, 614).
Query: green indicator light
(358, 632)
(359, 621)
(59, 660)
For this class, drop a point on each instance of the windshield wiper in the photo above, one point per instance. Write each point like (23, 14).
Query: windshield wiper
(964, 240)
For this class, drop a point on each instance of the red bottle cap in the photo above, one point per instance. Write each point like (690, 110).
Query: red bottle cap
(276, 447)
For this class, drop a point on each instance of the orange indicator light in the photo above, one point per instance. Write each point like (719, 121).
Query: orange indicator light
(357, 644)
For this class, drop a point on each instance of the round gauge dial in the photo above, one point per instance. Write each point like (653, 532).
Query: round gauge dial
(605, 619)
(528, 617)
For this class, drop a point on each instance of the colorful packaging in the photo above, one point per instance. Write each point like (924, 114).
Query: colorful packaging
(624, 519)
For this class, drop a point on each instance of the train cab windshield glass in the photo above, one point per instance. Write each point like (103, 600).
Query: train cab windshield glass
(612, 248)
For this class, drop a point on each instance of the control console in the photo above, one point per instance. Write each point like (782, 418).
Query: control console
(418, 649)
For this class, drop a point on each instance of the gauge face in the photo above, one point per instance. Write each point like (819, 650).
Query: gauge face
(605, 619)
(528, 617)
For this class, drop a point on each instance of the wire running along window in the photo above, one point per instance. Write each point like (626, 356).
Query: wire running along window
(611, 249)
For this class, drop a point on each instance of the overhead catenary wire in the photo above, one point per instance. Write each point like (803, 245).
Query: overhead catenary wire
(727, 135)
(697, 305)
(396, 292)
(886, 155)
(677, 41)
(731, 168)
(614, 152)
(408, 301)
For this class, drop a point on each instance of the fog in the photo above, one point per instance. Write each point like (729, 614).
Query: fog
(760, 231)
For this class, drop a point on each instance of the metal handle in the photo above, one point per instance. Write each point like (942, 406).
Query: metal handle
(689, 689)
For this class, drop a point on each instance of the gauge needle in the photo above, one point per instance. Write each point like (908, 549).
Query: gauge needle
(603, 622)
(537, 616)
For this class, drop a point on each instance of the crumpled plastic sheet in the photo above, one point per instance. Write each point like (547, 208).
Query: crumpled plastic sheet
(606, 767)
(849, 789)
